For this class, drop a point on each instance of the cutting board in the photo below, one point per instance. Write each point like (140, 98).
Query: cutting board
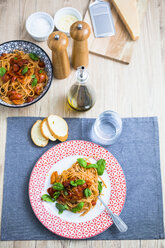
(120, 46)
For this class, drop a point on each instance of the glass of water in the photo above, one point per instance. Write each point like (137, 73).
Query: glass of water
(107, 128)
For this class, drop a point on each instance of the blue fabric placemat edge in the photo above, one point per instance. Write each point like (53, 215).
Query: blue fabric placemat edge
(137, 119)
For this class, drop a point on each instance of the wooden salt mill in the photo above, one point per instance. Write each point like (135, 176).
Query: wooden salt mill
(80, 32)
(58, 42)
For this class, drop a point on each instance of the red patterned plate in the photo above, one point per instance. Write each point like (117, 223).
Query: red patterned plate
(71, 225)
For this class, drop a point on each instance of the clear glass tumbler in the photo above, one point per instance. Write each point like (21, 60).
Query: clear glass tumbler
(107, 128)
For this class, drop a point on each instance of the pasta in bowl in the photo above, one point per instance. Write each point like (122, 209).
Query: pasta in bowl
(78, 187)
(25, 73)
(64, 159)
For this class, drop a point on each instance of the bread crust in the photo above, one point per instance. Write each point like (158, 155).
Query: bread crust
(41, 133)
(41, 129)
(56, 136)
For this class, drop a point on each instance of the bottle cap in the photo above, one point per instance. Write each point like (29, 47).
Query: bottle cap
(82, 74)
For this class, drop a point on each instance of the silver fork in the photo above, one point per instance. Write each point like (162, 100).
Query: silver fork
(122, 227)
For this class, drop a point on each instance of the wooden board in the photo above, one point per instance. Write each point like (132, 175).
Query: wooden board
(120, 46)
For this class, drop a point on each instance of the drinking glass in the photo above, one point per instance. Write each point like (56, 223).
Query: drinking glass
(107, 128)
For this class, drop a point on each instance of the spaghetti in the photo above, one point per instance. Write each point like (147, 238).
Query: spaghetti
(22, 77)
(77, 188)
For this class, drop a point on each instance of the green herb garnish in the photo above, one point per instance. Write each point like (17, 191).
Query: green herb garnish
(78, 207)
(100, 187)
(82, 162)
(87, 192)
(34, 82)
(25, 69)
(101, 163)
(73, 183)
(2, 71)
(33, 56)
(40, 71)
(47, 198)
(56, 195)
(77, 182)
(92, 166)
(100, 166)
(65, 192)
(58, 186)
(33, 76)
(61, 207)
(15, 58)
(80, 182)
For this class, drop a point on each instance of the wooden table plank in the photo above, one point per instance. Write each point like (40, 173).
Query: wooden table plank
(134, 90)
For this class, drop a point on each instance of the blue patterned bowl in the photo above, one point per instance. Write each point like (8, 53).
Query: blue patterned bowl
(28, 47)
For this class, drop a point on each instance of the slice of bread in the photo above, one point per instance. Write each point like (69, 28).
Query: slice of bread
(45, 130)
(37, 137)
(58, 127)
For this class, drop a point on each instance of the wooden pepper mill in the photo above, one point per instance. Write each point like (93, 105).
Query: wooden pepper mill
(80, 32)
(58, 42)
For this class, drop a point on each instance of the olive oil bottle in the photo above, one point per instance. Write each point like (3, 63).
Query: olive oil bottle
(81, 95)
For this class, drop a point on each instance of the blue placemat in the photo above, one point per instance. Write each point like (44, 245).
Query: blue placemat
(137, 151)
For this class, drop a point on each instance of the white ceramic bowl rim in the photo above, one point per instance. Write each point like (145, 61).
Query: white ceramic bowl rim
(65, 11)
(32, 18)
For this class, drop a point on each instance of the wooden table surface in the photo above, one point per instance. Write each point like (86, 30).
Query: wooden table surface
(131, 90)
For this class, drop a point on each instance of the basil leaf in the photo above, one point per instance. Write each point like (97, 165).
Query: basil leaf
(78, 207)
(77, 182)
(40, 71)
(73, 183)
(25, 69)
(33, 76)
(56, 195)
(34, 82)
(47, 198)
(82, 162)
(15, 58)
(87, 192)
(58, 186)
(61, 207)
(33, 56)
(2, 71)
(65, 192)
(101, 166)
(80, 182)
(100, 187)
(92, 166)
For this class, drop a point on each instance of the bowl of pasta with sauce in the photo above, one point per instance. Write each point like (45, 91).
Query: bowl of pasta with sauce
(26, 73)
(65, 184)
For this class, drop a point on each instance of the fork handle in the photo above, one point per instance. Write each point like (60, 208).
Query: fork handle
(122, 227)
(118, 222)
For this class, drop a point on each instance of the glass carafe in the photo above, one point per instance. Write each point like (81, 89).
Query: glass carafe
(81, 95)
